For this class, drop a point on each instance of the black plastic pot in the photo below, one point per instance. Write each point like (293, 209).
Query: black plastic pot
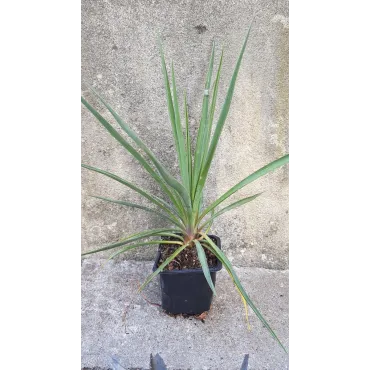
(187, 291)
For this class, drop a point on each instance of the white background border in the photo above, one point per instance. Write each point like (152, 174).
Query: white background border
(329, 185)
(40, 185)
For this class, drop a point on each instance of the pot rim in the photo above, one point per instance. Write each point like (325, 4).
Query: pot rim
(218, 267)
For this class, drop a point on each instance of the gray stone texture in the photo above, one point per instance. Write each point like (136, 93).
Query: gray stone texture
(120, 59)
(119, 326)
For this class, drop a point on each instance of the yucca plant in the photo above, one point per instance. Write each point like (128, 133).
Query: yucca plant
(182, 205)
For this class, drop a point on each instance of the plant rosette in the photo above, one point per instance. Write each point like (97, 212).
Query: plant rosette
(182, 202)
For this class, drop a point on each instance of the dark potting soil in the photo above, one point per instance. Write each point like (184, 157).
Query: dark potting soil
(186, 259)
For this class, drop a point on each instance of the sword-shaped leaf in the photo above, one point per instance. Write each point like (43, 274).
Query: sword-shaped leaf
(188, 144)
(125, 249)
(200, 148)
(134, 205)
(171, 110)
(152, 198)
(170, 180)
(162, 266)
(122, 141)
(214, 100)
(177, 132)
(254, 176)
(176, 236)
(220, 124)
(132, 238)
(180, 136)
(203, 261)
(230, 207)
(224, 260)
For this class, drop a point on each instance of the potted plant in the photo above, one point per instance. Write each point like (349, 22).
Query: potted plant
(188, 257)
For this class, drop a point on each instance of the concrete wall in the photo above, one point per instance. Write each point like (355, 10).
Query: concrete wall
(120, 58)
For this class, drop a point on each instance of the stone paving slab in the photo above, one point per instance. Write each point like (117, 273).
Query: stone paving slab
(121, 329)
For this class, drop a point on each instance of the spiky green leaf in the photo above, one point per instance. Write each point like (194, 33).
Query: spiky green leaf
(147, 209)
(180, 136)
(132, 238)
(152, 198)
(200, 148)
(226, 263)
(188, 145)
(203, 261)
(214, 98)
(219, 125)
(160, 180)
(170, 180)
(162, 266)
(230, 207)
(125, 249)
(254, 176)
(180, 189)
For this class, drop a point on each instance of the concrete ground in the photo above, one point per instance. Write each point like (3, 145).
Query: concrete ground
(120, 329)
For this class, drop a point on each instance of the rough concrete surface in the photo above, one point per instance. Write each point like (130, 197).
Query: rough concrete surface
(120, 59)
(220, 343)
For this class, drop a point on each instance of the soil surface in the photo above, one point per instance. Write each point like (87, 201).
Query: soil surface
(187, 259)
